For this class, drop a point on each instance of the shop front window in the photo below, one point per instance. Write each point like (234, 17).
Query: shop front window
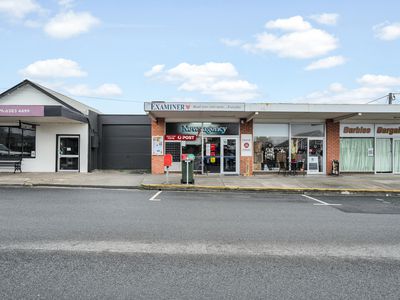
(271, 146)
(194, 148)
(356, 155)
(17, 143)
(384, 163)
(309, 130)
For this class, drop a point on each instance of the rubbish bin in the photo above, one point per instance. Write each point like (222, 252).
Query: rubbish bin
(335, 167)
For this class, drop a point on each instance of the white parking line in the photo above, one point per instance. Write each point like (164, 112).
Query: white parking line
(155, 196)
(383, 201)
(321, 202)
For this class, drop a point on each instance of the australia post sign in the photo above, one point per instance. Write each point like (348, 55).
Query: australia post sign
(180, 137)
(21, 110)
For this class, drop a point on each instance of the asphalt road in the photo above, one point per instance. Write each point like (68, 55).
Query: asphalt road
(101, 244)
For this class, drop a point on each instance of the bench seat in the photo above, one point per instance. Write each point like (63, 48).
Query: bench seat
(11, 163)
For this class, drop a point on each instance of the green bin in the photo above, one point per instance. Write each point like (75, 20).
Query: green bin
(187, 172)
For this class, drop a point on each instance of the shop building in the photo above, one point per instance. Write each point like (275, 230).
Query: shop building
(254, 138)
(50, 132)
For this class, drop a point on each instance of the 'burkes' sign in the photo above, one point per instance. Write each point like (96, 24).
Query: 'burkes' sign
(356, 130)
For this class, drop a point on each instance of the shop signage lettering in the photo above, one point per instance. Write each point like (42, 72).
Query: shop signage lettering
(202, 106)
(389, 131)
(21, 110)
(168, 106)
(180, 137)
(220, 130)
(356, 130)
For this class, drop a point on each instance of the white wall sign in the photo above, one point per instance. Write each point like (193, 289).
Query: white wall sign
(356, 130)
(246, 142)
(157, 145)
(387, 130)
(200, 106)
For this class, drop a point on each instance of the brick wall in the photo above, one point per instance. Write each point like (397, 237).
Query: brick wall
(246, 162)
(157, 161)
(332, 143)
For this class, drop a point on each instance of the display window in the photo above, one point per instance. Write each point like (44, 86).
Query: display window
(356, 155)
(271, 146)
(17, 143)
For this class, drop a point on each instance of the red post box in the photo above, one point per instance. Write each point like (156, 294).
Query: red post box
(167, 160)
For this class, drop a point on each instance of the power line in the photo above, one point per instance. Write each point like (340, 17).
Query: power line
(111, 99)
(377, 99)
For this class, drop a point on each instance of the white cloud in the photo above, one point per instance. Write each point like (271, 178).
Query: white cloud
(326, 63)
(66, 3)
(326, 19)
(379, 80)
(219, 80)
(371, 86)
(104, 90)
(156, 69)
(53, 68)
(301, 40)
(387, 31)
(19, 9)
(295, 23)
(231, 43)
(69, 24)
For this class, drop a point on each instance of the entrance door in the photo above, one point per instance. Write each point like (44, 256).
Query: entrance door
(396, 156)
(229, 155)
(315, 156)
(212, 155)
(384, 155)
(68, 153)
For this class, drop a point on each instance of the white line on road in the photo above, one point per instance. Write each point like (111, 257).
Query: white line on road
(368, 251)
(383, 201)
(320, 202)
(155, 196)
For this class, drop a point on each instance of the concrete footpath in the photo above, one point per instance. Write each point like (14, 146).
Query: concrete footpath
(354, 183)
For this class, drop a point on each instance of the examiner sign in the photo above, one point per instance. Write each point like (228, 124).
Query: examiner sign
(199, 106)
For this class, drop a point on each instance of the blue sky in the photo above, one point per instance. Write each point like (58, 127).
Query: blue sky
(254, 51)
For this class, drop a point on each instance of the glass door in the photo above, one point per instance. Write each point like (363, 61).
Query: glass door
(396, 156)
(212, 155)
(315, 161)
(68, 153)
(383, 158)
(229, 155)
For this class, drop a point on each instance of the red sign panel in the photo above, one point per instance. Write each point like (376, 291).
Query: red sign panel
(167, 160)
(180, 137)
(21, 110)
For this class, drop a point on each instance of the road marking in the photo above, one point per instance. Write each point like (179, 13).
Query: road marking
(321, 202)
(155, 196)
(323, 250)
(383, 201)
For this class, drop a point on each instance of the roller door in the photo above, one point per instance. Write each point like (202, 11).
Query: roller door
(126, 147)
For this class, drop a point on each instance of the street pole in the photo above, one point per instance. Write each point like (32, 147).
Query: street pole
(391, 98)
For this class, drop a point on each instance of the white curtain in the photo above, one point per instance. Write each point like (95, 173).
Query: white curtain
(396, 155)
(354, 155)
(384, 155)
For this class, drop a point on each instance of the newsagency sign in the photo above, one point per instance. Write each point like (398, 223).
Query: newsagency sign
(202, 128)
(199, 106)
